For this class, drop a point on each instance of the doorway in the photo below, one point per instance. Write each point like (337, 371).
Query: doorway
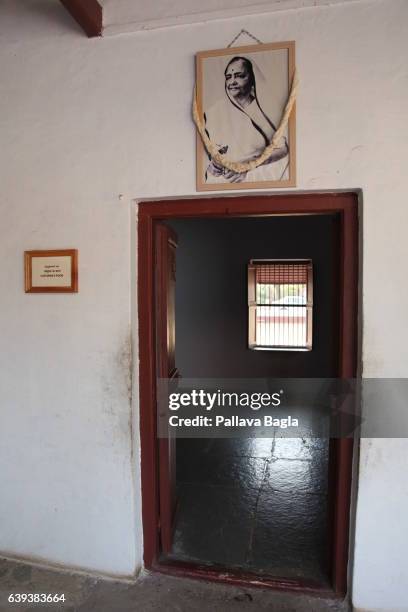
(328, 224)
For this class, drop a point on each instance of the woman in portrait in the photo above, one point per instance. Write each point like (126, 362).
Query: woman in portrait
(241, 129)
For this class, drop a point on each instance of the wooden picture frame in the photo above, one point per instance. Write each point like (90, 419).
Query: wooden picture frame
(51, 271)
(271, 69)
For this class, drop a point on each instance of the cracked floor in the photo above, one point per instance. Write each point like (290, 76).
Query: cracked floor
(255, 504)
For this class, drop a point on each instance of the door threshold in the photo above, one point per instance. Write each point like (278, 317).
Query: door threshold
(242, 578)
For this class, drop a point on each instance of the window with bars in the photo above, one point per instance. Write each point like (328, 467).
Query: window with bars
(280, 301)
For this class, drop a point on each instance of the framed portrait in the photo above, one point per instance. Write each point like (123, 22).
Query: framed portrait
(51, 271)
(241, 95)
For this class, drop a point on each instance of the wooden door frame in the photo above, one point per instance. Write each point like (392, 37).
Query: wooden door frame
(346, 205)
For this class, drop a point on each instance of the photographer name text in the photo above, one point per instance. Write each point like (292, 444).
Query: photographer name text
(233, 421)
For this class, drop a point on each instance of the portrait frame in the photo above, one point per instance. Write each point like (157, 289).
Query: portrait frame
(208, 67)
(51, 271)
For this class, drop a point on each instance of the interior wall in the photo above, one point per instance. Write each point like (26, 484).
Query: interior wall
(212, 295)
(87, 126)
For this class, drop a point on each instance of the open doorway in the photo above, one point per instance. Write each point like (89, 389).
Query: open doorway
(260, 509)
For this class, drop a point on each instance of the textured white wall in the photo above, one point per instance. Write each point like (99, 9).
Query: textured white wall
(83, 121)
(132, 15)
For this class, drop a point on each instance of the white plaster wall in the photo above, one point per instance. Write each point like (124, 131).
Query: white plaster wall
(121, 16)
(83, 121)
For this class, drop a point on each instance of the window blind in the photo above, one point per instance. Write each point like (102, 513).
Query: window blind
(280, 305)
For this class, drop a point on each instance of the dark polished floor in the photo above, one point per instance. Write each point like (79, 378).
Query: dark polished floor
(254, 504)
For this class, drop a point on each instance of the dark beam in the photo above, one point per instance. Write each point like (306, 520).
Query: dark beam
(88, 13)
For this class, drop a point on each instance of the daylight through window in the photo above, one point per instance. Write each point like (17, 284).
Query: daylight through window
(280, 299)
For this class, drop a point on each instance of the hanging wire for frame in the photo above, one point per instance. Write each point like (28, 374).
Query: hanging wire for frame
(248, 34)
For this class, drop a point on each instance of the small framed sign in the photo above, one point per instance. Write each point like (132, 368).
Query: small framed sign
(51, 271)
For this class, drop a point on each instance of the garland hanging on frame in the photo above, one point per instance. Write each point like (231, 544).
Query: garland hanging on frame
(237, 128)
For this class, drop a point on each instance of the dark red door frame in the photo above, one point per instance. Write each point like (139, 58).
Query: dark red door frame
(346, 205)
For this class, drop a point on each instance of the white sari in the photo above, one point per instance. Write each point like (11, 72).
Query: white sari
(242, 134)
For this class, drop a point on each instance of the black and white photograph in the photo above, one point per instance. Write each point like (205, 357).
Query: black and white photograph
(241, 95)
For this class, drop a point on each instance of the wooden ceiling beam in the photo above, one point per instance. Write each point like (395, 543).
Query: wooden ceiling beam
(88, 13)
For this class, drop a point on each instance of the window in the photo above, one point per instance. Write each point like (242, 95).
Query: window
(280, 301)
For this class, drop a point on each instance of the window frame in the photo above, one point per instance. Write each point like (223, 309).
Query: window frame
(252, 305)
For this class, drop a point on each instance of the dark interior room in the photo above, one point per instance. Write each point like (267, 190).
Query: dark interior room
(255, 504)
